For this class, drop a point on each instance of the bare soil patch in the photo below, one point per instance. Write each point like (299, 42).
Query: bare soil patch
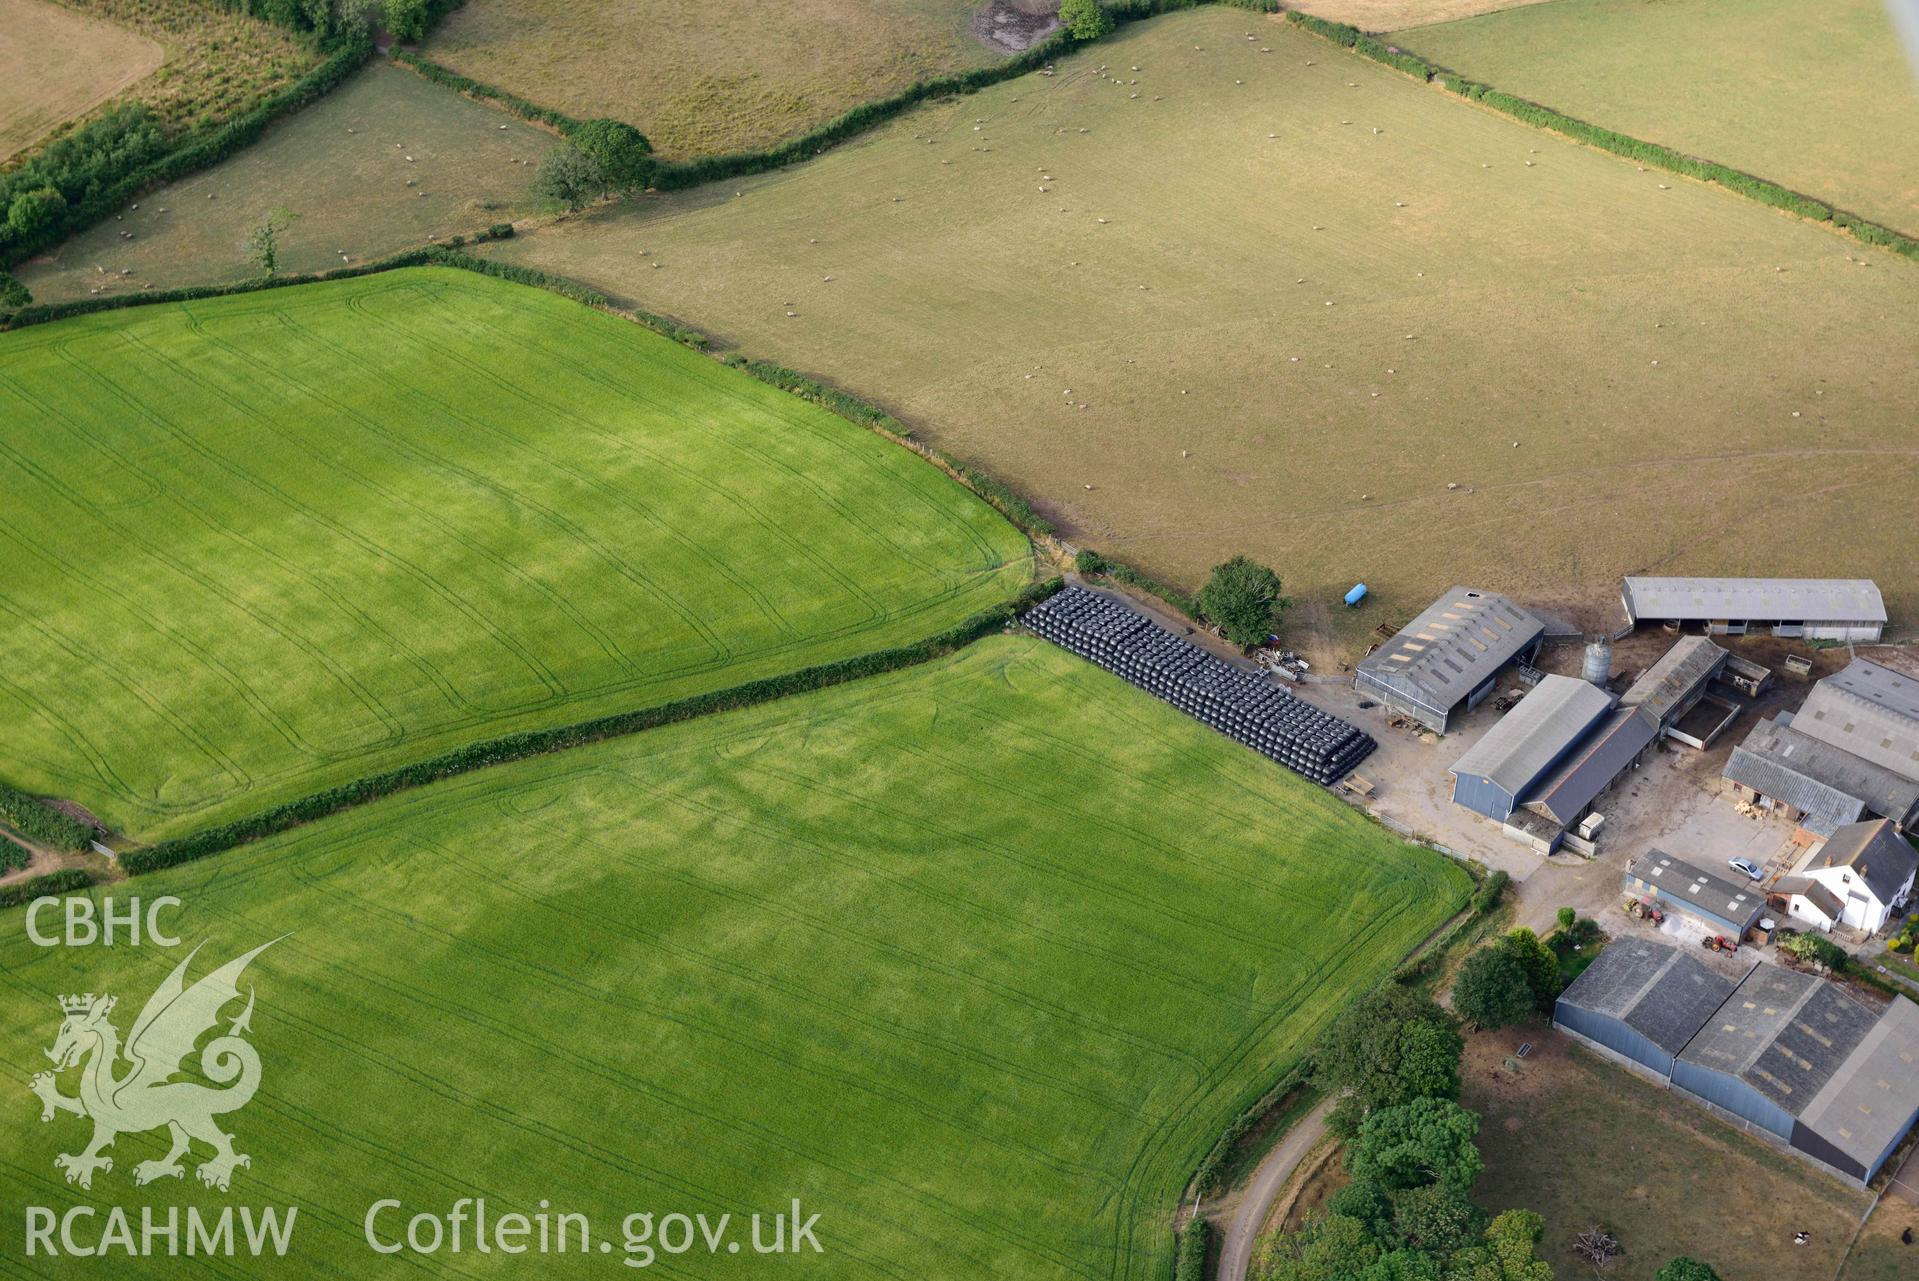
(56, 65)
(1014, 26)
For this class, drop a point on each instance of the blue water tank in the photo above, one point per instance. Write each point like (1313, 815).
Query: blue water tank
(1356, 595)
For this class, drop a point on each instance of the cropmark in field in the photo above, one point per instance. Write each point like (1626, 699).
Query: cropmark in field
(386, 162)
(1264, 296)
(974, 960)
(267, 544)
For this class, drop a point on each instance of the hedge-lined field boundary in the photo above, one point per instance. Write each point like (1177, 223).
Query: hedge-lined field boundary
(40, 822)
(529, 743)
(1652, 154)
(62, 882)
(196, 152)
(441, 74)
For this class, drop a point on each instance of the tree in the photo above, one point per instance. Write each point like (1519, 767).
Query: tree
(406, 19)
(1566, 918)
(1365, 1201)
(1540, 963)
(1243, 598)
(1436, 1220)
(1391, 1046)
(1685, 1269)
(263, 242)
(1416, 1144)
(34, 211)
(1506, 1253)
(570, 177)
(1492, 989)
(1085, 19)
(624, 155)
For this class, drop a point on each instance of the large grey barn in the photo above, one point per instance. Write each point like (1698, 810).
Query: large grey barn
(1851, 749)
(1842, 609)
(1446, 660)
(1781, 1052)
(1642, 1001)
(1523, 749)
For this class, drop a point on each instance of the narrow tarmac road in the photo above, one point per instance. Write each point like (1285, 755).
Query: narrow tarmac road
(1263, 1189)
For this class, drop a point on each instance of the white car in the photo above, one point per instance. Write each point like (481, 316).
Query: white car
(1745, 867)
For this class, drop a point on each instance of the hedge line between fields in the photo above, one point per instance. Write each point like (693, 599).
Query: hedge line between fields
(1651, 154)
(677, 175)
(197, 151)
(40, 822)
(62, 882)
(515, 747)
(444, 75)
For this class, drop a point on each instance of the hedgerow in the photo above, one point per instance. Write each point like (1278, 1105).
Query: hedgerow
(64, 881)
(514, 747)
(1650, 154)
(100, 166)
(479, 89)
(41, 823)
(1189, 1264)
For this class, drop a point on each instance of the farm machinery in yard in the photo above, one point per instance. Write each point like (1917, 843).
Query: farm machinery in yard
(1642, 910)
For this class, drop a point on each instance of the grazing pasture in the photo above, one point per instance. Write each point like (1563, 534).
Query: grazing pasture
(1818, 97)
(703, 79)
(1296, 305)
(973, 959)
(386, 162)
(57, 64)
(262, 545)
(1392, 15)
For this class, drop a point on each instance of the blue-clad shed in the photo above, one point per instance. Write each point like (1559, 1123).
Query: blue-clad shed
(1526, 745)
(1643, 1001)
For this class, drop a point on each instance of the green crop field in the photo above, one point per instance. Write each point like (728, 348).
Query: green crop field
(270, 543)
(1296, 305)
(1818, 97)
(386, 162)
(973, 959)
(704, 79)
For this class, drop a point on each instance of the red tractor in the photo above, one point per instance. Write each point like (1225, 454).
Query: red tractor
(1719, 943)
(1642, 910)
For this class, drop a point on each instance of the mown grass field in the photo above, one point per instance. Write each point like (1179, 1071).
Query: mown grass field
(1278, 302)
(705, 79)
(341, 168)
(974, 959)
(57, 64)
(1818, 97)
(266, 544)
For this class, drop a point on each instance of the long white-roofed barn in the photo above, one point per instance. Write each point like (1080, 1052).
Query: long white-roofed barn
(1841, 609)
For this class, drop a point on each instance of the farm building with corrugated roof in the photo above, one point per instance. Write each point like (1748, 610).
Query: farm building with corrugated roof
(1528, 743)
(1842, 609)
(1852, 749)
(1781, 1053)
(1711, 899)
(1446, 660)
(1642, 1002)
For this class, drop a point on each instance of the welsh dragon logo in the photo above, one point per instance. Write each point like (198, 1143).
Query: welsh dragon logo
(146, 1096)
